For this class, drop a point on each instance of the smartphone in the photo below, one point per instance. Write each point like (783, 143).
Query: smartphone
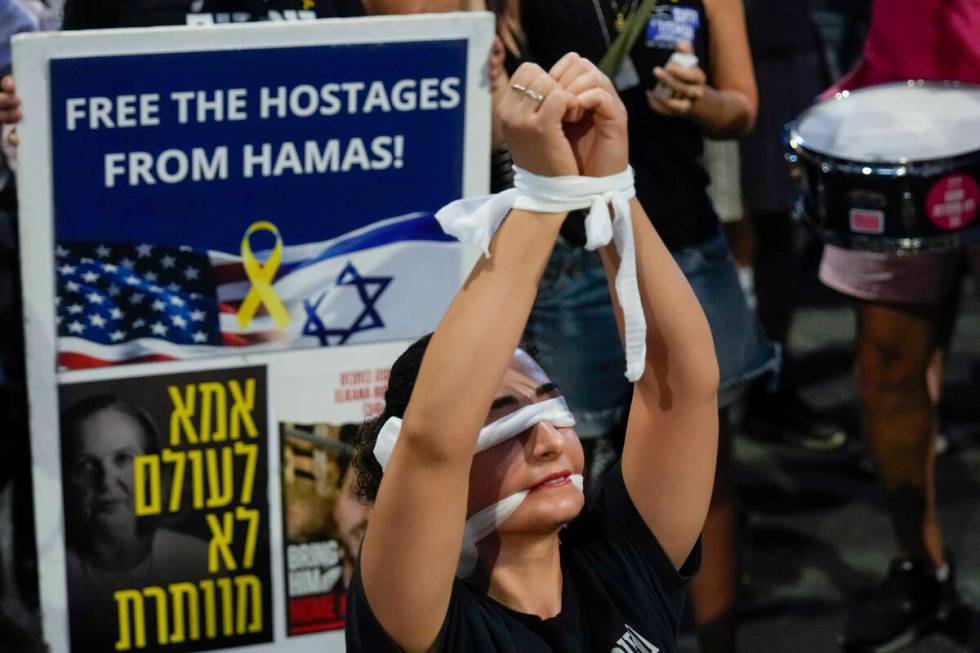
(685, 59)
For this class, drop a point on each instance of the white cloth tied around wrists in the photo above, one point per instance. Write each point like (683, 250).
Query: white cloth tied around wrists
(475, 220)
(486, 521)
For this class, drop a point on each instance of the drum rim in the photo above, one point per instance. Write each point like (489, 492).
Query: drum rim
(795, 144)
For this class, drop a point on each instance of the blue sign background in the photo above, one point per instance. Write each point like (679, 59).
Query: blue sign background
(215, 214)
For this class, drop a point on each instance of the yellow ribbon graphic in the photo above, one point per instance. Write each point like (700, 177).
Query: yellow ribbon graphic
(261, 276)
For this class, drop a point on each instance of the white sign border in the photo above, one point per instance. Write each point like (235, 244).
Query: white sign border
(31, 57)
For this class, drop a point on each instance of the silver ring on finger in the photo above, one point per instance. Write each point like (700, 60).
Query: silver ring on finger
(526, 92)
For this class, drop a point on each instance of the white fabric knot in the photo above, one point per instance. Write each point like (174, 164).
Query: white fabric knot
(474, 220)
(553, 410)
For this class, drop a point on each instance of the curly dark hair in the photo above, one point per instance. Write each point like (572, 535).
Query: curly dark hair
(401, 382)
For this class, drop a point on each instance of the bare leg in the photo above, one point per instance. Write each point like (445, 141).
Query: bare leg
(714, 589)
(936, 371)
(934, 381)
(894, 347)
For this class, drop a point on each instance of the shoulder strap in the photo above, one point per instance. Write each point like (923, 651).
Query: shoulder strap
(624, 42)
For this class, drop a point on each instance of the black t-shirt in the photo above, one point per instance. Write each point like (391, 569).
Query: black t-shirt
(665, 152)
(619, 590)
(101, 14)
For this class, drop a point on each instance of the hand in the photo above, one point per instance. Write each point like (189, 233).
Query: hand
(10, 113)
(687, 86)
(596, 128)
(532, 129)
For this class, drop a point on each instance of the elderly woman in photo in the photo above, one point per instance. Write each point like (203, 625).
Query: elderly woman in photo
(499, 550)
(109, 548)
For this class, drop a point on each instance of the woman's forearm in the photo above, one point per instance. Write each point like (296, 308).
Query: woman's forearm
(680, 349)
(723, 114)
(476, 338)
(672, 432)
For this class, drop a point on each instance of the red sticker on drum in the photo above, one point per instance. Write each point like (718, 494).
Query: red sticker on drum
(864, 221)
(952, 202)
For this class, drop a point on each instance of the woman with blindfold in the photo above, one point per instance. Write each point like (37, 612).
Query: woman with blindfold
(501, 551)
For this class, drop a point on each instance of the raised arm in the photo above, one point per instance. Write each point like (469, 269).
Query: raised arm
(672, 433)
(413, 541)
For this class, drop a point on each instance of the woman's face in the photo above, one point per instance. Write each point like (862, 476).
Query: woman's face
(540, 459)
(100, 471)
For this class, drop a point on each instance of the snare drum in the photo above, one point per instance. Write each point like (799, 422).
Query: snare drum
(892, 168)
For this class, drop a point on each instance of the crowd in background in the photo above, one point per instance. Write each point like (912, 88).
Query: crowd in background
(706, 148)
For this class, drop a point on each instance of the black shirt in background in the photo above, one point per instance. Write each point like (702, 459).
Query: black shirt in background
(665, 152)
(619, 590)
(101, 14)
(781, 27)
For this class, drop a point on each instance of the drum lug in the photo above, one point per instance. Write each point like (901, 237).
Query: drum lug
(908, 211)
(821, 202)
(801, 184)
(798, 209)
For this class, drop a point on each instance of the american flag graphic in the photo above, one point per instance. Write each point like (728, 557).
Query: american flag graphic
(141, 303)
(122, 303)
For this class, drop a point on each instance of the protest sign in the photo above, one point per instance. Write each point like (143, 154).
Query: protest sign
(265, 197)
(216, 219)
(166, 511)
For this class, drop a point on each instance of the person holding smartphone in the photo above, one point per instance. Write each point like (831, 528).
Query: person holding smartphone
(687, 76)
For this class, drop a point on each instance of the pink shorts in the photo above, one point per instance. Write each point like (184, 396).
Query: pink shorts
(917, 279)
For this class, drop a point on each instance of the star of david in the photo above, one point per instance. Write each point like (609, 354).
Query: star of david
(369, 290)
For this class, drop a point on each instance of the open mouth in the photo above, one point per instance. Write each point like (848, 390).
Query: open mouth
(556, 480)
